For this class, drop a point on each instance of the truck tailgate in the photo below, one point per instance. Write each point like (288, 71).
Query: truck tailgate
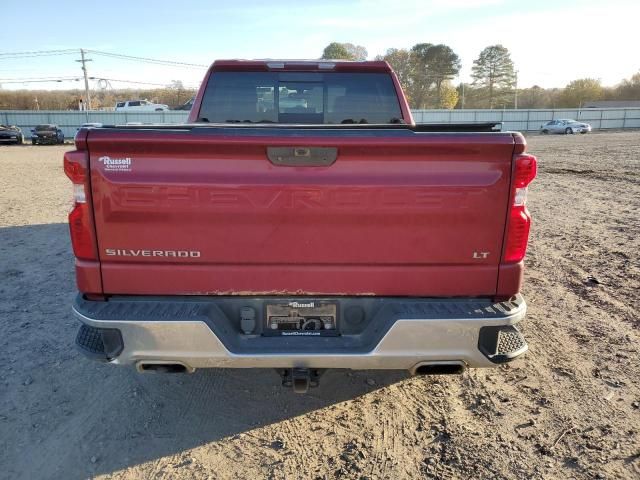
(203, 210)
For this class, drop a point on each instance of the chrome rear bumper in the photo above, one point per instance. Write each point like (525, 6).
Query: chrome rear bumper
(187, 337)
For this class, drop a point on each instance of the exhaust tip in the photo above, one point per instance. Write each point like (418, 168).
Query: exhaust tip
(163, 367)
(455, 368)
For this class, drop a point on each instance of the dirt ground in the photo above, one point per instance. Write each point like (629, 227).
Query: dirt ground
(569, 409)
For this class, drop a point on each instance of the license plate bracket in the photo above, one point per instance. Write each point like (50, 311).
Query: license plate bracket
(301, 318)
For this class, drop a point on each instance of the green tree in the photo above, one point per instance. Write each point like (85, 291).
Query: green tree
(400, 61)
(534, 97)
(178, 87)
(344, 51)
(493, 72)
(579, 91)
(420, 84)
(442, 65)
(336, 51)
(470, 95)
(629, 89)
(448, 96)
(432, 67)
(357, 52)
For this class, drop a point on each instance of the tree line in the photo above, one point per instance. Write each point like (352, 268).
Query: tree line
(427, 71)
(173, 95)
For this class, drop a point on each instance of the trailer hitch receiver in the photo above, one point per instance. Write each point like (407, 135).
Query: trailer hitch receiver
(301, 379)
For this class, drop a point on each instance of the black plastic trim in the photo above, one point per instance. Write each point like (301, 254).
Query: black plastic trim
(488, 343)
(102, 344)
(468, 127)
(223, 316)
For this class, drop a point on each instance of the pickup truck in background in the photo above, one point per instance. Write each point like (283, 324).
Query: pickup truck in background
(300, 221)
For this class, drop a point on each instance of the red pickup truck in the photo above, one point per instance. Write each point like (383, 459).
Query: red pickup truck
(300, 221)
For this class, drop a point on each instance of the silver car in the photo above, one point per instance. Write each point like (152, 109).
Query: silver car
(566, 126)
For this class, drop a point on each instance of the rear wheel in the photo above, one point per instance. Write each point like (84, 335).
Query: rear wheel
(545, 131)
(19, 140)
(33, 142)
(568, 131)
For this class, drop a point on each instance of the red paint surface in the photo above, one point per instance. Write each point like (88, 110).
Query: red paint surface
(405, 215)
(392, 216)
(88, 277)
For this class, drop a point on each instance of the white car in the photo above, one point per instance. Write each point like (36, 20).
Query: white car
(140, 106)
(566, 126)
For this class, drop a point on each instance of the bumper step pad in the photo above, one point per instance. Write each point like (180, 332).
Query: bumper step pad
(502, 344)
(99, 343)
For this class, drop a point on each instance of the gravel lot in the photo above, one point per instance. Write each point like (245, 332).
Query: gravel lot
(569, 409)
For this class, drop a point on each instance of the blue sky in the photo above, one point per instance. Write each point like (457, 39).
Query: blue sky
(552, 42)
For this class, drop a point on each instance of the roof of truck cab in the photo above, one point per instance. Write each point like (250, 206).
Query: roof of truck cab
(279, 65)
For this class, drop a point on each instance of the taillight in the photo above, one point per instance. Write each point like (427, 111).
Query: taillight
(80, 221)
(519, 221)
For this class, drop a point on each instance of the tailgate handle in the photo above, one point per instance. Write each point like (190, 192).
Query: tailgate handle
(302, 156)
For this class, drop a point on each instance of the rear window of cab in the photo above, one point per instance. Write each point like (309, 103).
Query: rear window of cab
(300, 98)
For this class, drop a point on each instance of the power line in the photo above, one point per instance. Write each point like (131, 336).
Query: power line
(41, 53)
(77, 79)
(41, 80)
(18, 57)
(133, 82)
(128, 81)
(50, 77)
(36, 53)
(83, 60)
(148, 59)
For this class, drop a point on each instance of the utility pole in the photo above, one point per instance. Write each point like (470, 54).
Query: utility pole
(83, 60)
(515, 106)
